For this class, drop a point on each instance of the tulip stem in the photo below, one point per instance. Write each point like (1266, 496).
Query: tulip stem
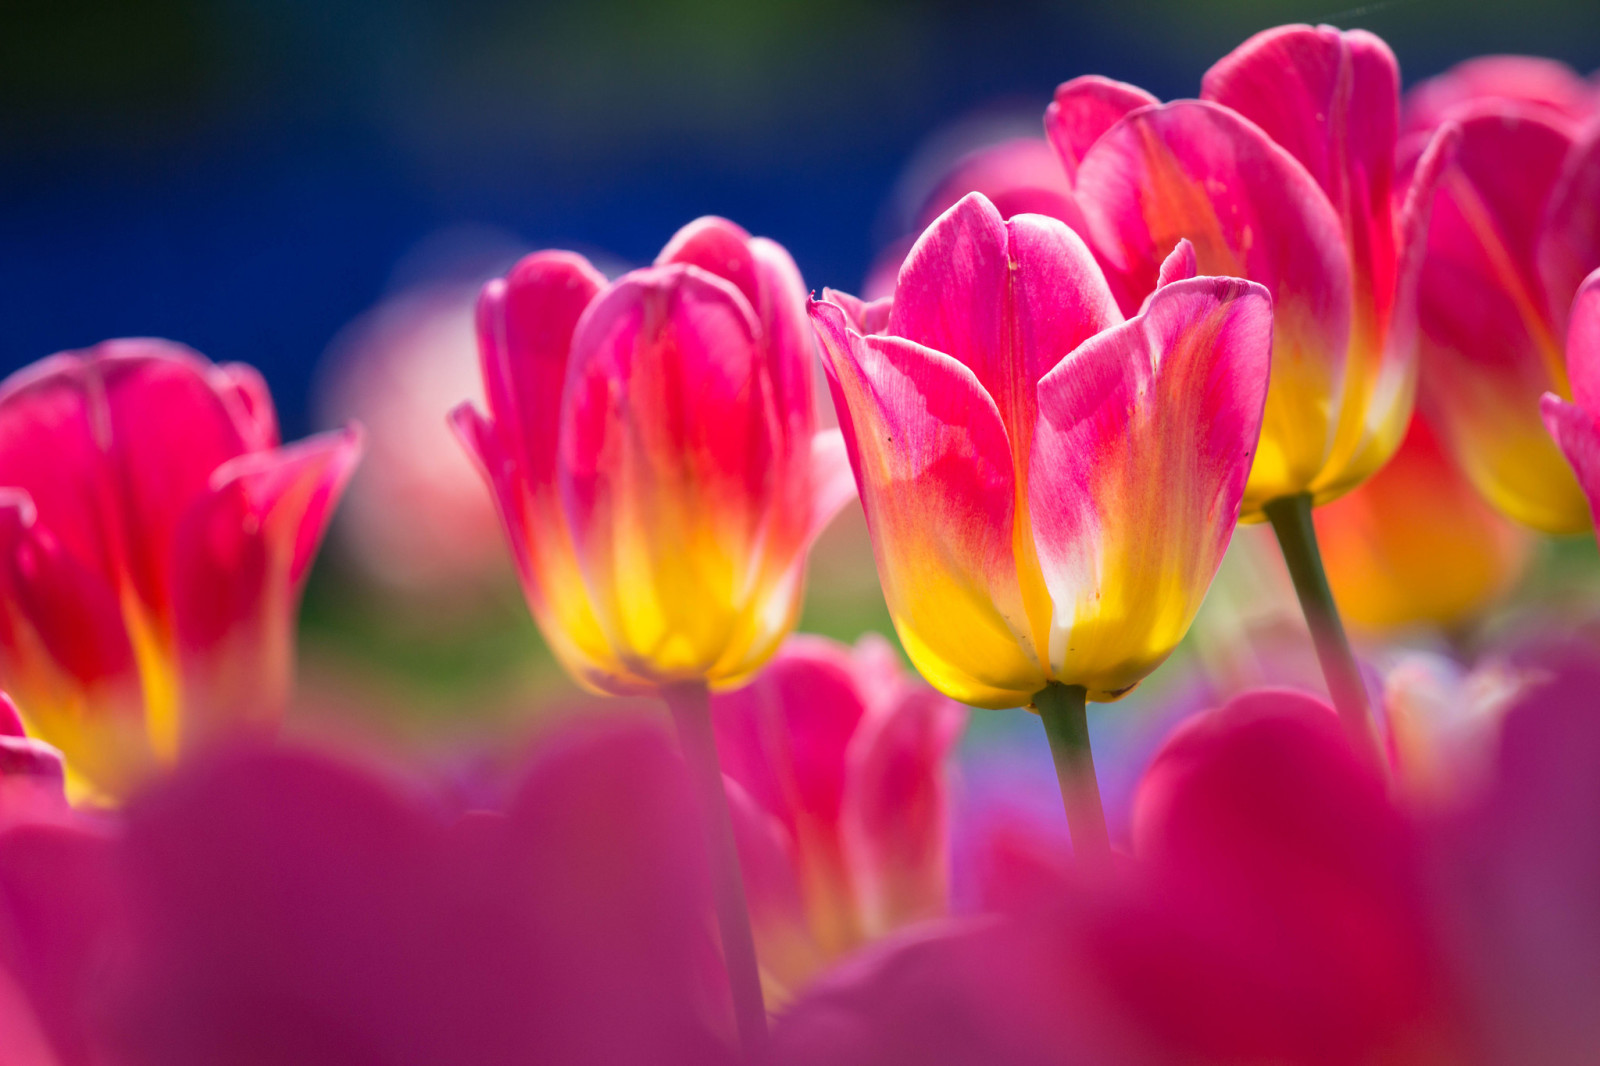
(1297, 537)
(690, 704)
(1064, 711)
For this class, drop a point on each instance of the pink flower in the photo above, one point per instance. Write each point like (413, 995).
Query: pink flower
(835, 765)
(653, 451)
(1576, 426)
(280, 906)
(153, 541)
(32, 777)
(1049, 487)
(1514, 233)
(1282, 173)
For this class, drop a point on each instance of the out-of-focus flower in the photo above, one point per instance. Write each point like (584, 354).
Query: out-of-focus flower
(1049, 487)
(1275, 912)
(1443, 719)
(1416, 544)
(1282, 173)
(835, 766)
(32, 777)
(1514, 232)
(415, 517)
(1019, 175)
(280, 906)
(154, 538)
(1576, 426)
(652, 449)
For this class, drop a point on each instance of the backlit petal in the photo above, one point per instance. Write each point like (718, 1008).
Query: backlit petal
(1083, 109)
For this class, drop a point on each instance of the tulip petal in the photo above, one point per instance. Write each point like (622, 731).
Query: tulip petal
(1196, 170)
(933, 464)
(1145, 439)
(1019, 176)
(1545, 88)
(1569, 245)
(525, 324)
(895, 820)
(1583, 344)
(1083, 109)
(244, 391)
(833, 482)
(1489, 348)
(864, 316)
(669, 439)
(1578, 437)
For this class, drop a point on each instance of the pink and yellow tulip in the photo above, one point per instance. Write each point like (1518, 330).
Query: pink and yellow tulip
(652, 448)
(154, 537)
(1514, 232)
(1049, 487)
(1282, 173)
(836, 774)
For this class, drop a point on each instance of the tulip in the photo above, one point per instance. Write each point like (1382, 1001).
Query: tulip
(154, 538)
(1282, 173)
(835, 767)
(32, 776)
(653, 452)
(1416, 545)
(652, 449)
(1049, 487)
(1575, 427)
(283, 905)
(1514, 232)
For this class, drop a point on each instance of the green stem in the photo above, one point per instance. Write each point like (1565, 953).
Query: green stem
(1064, 711)
(690, 704)
(1297, 537)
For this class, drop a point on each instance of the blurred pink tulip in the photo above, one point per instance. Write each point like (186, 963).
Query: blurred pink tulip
(653, 451)
(1049, 487)
(154, 538)
(1282, 173)
(836, 770)
(32, 777)
(279, 906)
(1514, 233)
(1576, 426)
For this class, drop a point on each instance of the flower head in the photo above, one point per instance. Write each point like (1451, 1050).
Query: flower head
(1282, 173)
(653, 452)
(154, 537)
(1049, 487)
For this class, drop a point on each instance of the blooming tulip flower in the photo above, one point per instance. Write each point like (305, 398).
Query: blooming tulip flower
(1514, 232)
(32, 777)
(1283, 173)
(1049, 487)
(1576, 426)
(1416, 545)
(835, 768)
(652, 448)
(153, 541)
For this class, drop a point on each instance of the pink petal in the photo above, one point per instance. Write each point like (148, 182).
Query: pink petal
(934, 467)
(833, 482)
(525, 325)
(863, 316)
(244, 391)
(1083, 109)
(1583, 345)
(1578, 437)
(896, 808)
(1146, 436)
(1569, 246)
(718, 247)
(1489, 346)
(1548, 89)
(1196, 170)
(785, 943)
(669, 439)
(481, 439)
(1008, 300)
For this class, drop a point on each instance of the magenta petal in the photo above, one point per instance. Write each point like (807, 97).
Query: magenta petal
(1583, 344)
(1019, 176)
(1578, 437)
(1546, 88)
(1569, 245)
(864, 316)
(525, 324)
(718, 247)
(1083, 109)
(1146, 435)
